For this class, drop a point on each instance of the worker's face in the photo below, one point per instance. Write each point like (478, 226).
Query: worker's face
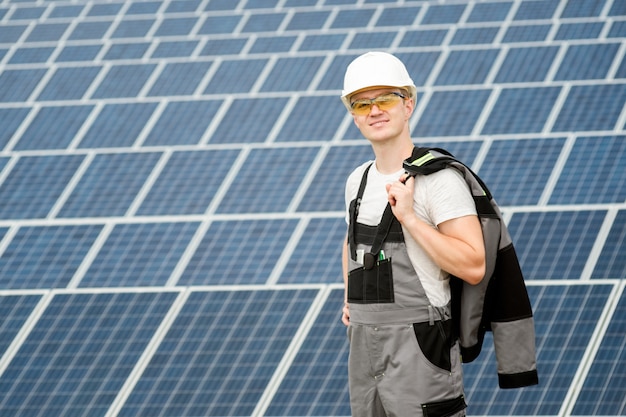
(381, 113)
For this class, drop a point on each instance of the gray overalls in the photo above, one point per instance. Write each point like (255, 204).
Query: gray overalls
(404, 360)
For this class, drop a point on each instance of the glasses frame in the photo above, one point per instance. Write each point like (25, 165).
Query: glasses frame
(369, 102)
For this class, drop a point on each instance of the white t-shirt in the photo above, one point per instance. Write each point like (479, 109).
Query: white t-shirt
(438, 197)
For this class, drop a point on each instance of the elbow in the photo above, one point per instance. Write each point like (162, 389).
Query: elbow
(476, 274)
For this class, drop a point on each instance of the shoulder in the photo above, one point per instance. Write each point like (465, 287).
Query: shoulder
(356, 174)
(446, 195)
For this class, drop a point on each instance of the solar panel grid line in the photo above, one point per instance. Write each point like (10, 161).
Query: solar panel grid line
(592, 348)
(149, 83)
(596, 250)
(287, 251)
(149, 182)
(557, 108)
(71, 185)
(10, 145)
(619, 58)
(486, 111)
(91, 255)
(290, 353)
(188, 254)
(216, 121)
(606, 8)
(25, 331)
(89, 92)
(140, 366)
(8, 236)
(557, 171)
(40, 86)
(497, 65)
(280, 121)
(150, 124)
(263, 76)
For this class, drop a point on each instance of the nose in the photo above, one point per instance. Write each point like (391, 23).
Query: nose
(374, 109)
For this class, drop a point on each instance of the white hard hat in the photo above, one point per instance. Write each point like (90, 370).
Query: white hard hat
(375, 69)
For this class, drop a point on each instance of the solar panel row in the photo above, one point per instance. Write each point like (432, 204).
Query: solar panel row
(171, 195)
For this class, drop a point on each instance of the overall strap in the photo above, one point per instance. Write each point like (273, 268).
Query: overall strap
(369, 259)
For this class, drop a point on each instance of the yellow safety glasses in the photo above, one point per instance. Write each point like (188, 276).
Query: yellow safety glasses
(363, 107)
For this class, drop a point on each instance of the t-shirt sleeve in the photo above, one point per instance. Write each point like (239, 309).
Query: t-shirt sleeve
(449, 196)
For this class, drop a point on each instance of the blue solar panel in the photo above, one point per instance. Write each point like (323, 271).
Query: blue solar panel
(235, 76)
(451, 113)
(124, 81)
(54, 127)
(612, 263)
(175, 26)
(238, 252)
(521, 110)
(321, 122)
(555, 245)
(133, 28)
(89, 30)
(398, 16)
(219, 355)
(594, 173)
(31, 55)
(17, 85)
(122, 50)
(80, 353)
(582, 8)
(525, 64)
(45, 257)
(565, 319)
(325, 192)
(526, 33)
(352, 18)
(139, 255)
(604, 390)
(108, 187)
(591, 107)
(440, 14)
(273, 44)
(268, 180)
(174, 49)
(489, 12)
(514, 174)
(79, 53)
(182, 123)
(316, 258)
(261, 115)
(14, 311)
(292, 74)
(151, 150)
(466, 67)
(317, 382)
(118, 125)
(188, 183)
(10, 120)
(582, 62)
(579, 31)
(32, 187)
(474, 36)
(178, 79)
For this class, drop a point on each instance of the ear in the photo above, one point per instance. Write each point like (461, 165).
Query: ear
(409, 106)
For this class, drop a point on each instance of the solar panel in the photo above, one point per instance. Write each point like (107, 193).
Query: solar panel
(220, 354)
(172, 195)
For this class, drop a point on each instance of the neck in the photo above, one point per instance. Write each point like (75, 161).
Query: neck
(390, 155)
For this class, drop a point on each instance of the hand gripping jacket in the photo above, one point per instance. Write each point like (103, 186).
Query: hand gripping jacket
(499, 303)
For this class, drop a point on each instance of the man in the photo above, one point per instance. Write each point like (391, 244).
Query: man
(404, 358)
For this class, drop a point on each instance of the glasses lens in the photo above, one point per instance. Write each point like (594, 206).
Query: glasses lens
(385, 102)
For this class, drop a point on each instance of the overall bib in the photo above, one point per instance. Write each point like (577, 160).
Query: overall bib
(404, 358)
